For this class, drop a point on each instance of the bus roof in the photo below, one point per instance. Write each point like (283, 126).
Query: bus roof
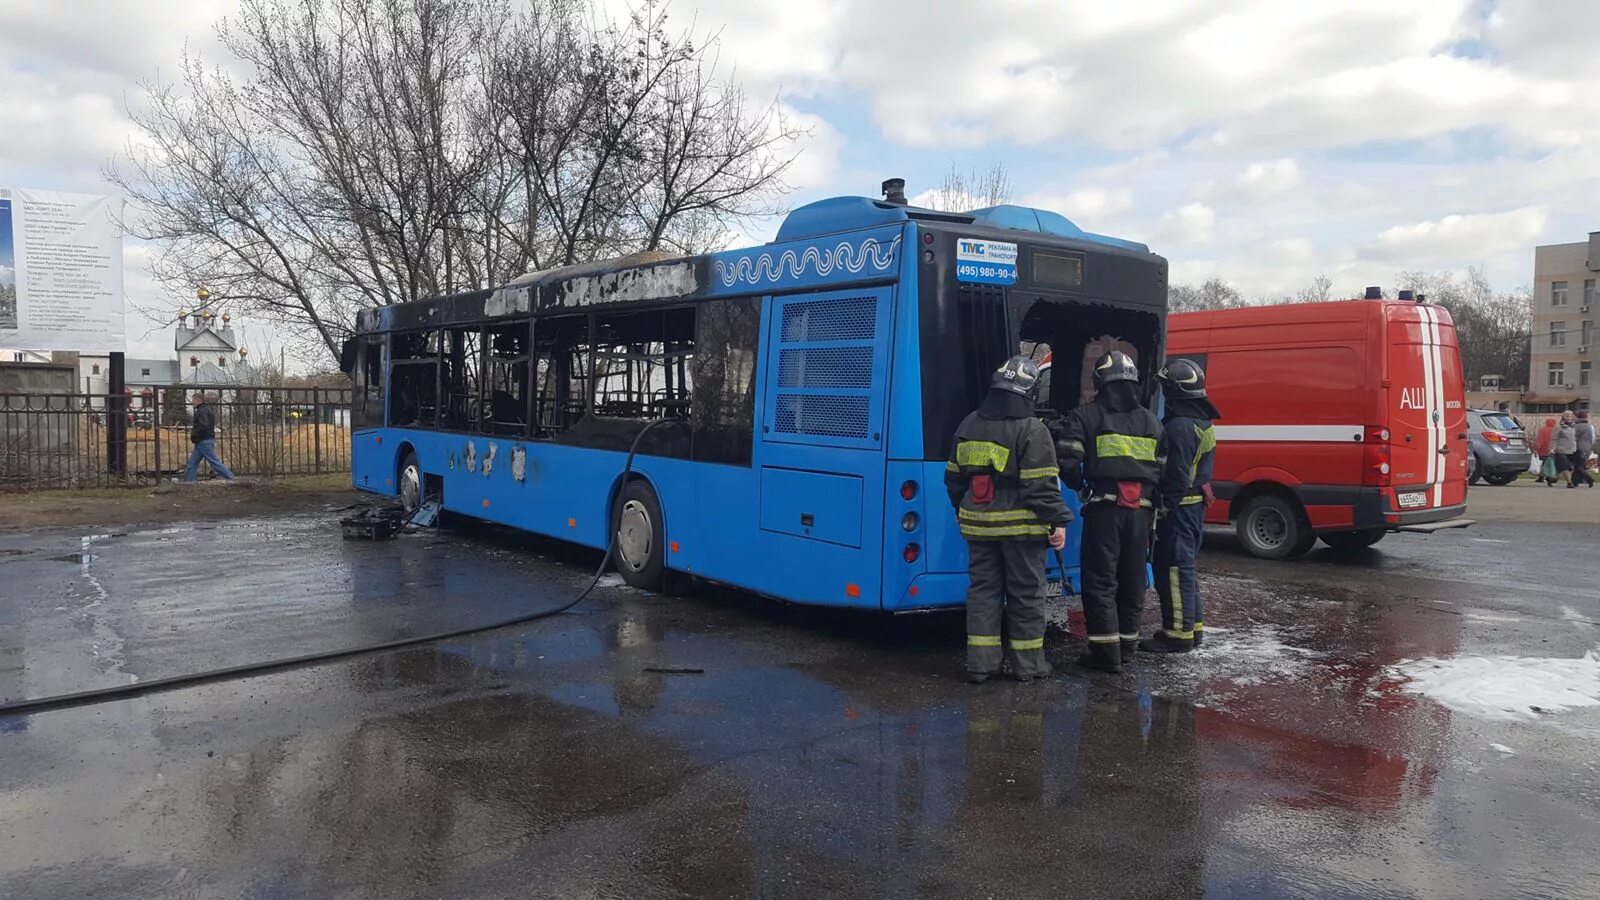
(871, 227)
(838, 214)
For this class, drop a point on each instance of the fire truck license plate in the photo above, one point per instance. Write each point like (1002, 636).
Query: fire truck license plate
(1052, 588)
(1413, 499)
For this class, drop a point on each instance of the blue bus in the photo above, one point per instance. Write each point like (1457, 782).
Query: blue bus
(809, 388)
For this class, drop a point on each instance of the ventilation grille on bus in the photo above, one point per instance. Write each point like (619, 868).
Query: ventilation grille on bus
(850, 319)
(823, 416)
(826, 367)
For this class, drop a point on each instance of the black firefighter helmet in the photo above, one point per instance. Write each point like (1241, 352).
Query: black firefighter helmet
(1183, 379)
(1019, 375)
(1114, 366)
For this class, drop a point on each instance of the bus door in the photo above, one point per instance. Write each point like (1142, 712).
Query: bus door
(821, 454)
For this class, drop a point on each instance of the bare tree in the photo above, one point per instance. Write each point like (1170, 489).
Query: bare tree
(1493, 329)
(381, 151)
(973, 189)
(1320, 289)
(1214, 293)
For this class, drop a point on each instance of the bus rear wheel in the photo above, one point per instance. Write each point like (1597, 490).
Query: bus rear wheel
(1271, 527)
(638, 537)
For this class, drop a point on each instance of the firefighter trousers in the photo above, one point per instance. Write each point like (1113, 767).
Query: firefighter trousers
(1178, 537)
(1005, 602)
(1116, 544)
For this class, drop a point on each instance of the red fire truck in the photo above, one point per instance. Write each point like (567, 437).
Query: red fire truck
(1342, 421)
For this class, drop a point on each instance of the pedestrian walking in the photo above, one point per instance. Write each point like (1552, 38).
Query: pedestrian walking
(1541, 446)
(1564, 446)
(1003, 480)
(1111, 448)
(1183, 492)
(1583, 434)
(203, 435)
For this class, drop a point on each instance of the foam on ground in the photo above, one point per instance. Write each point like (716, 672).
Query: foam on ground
(1505, 687)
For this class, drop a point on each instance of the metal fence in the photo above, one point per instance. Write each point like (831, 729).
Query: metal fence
(55, 441)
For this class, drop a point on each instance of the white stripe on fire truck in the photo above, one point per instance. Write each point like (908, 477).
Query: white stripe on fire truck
(1436, 415)
(1310, 434)
(1428, 394)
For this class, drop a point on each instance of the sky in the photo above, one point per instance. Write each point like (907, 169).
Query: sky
(1258, 141)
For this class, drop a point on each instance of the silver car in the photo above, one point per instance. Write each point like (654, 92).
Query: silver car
(1500, 450)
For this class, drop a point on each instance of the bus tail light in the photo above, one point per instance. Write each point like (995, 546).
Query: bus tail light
(1375, 458)
(908, 490)
(909, 521)
(911, 553)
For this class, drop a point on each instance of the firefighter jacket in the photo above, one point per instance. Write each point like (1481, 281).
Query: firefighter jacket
(1102, 446)
(1001, 477)
(1191, 448)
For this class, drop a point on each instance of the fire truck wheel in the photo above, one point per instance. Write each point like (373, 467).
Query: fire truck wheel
(1272, 527)
(639, 532)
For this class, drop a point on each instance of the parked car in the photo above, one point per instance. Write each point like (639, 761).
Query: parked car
(1499, 448)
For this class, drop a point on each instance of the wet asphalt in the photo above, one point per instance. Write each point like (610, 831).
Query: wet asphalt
(794, 753)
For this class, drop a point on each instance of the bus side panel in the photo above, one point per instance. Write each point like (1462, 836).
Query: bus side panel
(372, 462)
(822, 422)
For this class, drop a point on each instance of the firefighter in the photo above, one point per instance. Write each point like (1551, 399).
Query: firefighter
(1185, 490)
(1002, 480)
(1110, 449)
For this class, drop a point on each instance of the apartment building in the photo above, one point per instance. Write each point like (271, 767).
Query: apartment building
(1566, 305)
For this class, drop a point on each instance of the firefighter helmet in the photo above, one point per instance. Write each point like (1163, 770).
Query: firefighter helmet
(1019, 375)
(1114, 366)
(1183, 379)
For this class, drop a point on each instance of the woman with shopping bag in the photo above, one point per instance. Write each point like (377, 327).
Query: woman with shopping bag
(1541, 446)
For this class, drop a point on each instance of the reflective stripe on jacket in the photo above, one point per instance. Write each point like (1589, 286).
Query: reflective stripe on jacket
(1191, 450)
(1112, 447)
(1019, 459)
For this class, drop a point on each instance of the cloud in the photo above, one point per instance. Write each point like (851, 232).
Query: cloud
(1266, 180)
(1291, 252)
(816, 156)
(1452, 239)
(8, 276)
(1089, 205)
(1192, 223)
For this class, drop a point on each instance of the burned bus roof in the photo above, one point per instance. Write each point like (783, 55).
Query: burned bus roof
(830, 243)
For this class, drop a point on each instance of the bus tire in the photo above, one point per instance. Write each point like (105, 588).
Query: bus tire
(1347, 541)
(1271, 527)
(639, 535)
(408, 482)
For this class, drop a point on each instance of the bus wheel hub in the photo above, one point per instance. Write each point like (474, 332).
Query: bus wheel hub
(635, 535)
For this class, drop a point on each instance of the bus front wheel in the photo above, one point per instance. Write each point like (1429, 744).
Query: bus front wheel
(410, 483)
(638, 536)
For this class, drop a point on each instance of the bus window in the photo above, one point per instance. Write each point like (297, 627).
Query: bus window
(506, 382)
(414, 377)
(642, 364)
(369, 383)
(722, 413)
(463, 362)
(561, 373)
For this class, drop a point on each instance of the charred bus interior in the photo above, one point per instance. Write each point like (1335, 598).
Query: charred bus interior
(1066, 310)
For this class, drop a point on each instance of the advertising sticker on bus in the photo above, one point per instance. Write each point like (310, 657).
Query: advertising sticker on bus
(986, 262)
